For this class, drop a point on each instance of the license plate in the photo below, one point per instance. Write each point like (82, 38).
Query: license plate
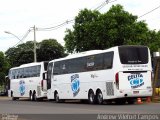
(135, 92)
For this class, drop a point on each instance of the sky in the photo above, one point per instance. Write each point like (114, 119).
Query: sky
(19, 16)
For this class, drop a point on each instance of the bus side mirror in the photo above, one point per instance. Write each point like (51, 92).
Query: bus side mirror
(45, 76)
(6, 78)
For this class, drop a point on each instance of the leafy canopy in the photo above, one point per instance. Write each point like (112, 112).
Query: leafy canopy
(47, 50)
(93, 30)
(4, 66)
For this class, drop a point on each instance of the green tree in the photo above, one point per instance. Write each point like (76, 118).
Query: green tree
(4, 66)
(84, 33)
(50, 49)
(93, 30)
(153, 40)
(23, 53)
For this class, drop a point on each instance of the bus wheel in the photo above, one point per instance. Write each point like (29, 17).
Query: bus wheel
(99, 97)
(13, 98)
(91, 97)
(56, 96)
(34, 97)
(30, 96)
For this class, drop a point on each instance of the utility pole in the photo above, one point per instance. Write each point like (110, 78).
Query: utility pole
(35, 54)
(34, 41)
(155, 80)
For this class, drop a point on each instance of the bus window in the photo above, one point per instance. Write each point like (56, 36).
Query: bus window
(56, 70)
(133, 55)
(108, 60)
(76, 65)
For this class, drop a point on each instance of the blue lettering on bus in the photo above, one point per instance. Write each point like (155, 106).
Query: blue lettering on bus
(22, 87)
(75, 84)
(136, 80)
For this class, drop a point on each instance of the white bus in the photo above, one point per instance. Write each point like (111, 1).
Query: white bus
(28, 81)
(121, 73)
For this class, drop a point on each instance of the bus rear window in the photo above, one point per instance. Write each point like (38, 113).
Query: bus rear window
(133, 54)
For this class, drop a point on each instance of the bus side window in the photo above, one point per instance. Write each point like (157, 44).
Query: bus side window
(16, 74)
(38, 70)
(24, 73)
(34, 71)
(56, 69)
(12, 74)
(76, 65)
(108, 60)
(27, 72)
(95, 62)
(99, 62)
(90, 63)
(21, 73)
(64, 67)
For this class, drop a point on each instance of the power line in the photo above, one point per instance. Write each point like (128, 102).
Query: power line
(112, 1)
(97, 8)
(70, 21)
(21, 40)
(24, 37)
(55, 27)
(149, 11)
(104, 4)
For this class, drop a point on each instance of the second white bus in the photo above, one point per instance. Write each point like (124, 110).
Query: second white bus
(121, 73)
(28, 80)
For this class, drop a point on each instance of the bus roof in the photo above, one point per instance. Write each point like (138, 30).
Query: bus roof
(31, 64)
(27, 65)
(82, 54)
(92, 52)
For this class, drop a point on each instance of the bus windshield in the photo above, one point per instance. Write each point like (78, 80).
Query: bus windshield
(133, 54)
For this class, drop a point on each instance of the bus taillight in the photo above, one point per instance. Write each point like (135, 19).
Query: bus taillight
(117, 80)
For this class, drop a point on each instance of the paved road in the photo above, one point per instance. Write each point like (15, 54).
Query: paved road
(39, 110)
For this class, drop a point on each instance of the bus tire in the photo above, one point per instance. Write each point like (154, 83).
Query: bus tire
(13, 98)
(30, 96)
(56, 96)
(91, 97)
(99, 97)
(34, 96)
